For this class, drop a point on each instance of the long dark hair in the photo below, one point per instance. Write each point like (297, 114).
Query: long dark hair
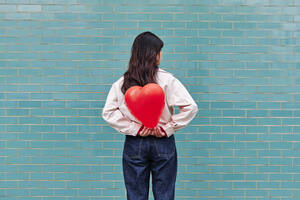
(142, 64)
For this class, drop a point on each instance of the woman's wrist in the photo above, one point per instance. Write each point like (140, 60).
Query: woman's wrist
(138, 133)
(161, 128)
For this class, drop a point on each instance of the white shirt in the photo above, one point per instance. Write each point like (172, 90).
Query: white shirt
(117, 115)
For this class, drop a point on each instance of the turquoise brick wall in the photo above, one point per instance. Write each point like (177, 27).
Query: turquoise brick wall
(238, 58)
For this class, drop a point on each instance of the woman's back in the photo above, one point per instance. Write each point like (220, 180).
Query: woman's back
(175, 95)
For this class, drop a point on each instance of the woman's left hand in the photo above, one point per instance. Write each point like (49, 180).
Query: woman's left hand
(145, 131)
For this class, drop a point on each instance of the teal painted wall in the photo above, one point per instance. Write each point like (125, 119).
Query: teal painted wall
(238, 58)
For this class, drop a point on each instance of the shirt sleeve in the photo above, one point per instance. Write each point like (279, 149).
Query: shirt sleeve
(115, 118)
(177, 95)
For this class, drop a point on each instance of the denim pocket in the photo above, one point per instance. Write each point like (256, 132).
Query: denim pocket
(165, 146)
(132, 147)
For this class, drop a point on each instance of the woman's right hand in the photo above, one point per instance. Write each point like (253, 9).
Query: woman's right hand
(158, 132)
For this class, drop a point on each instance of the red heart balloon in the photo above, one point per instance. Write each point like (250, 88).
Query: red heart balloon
(146, 103)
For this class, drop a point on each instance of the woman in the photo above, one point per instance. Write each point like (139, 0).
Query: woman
(149, 150)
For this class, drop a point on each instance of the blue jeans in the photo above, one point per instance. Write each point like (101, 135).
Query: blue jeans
(142, 155)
